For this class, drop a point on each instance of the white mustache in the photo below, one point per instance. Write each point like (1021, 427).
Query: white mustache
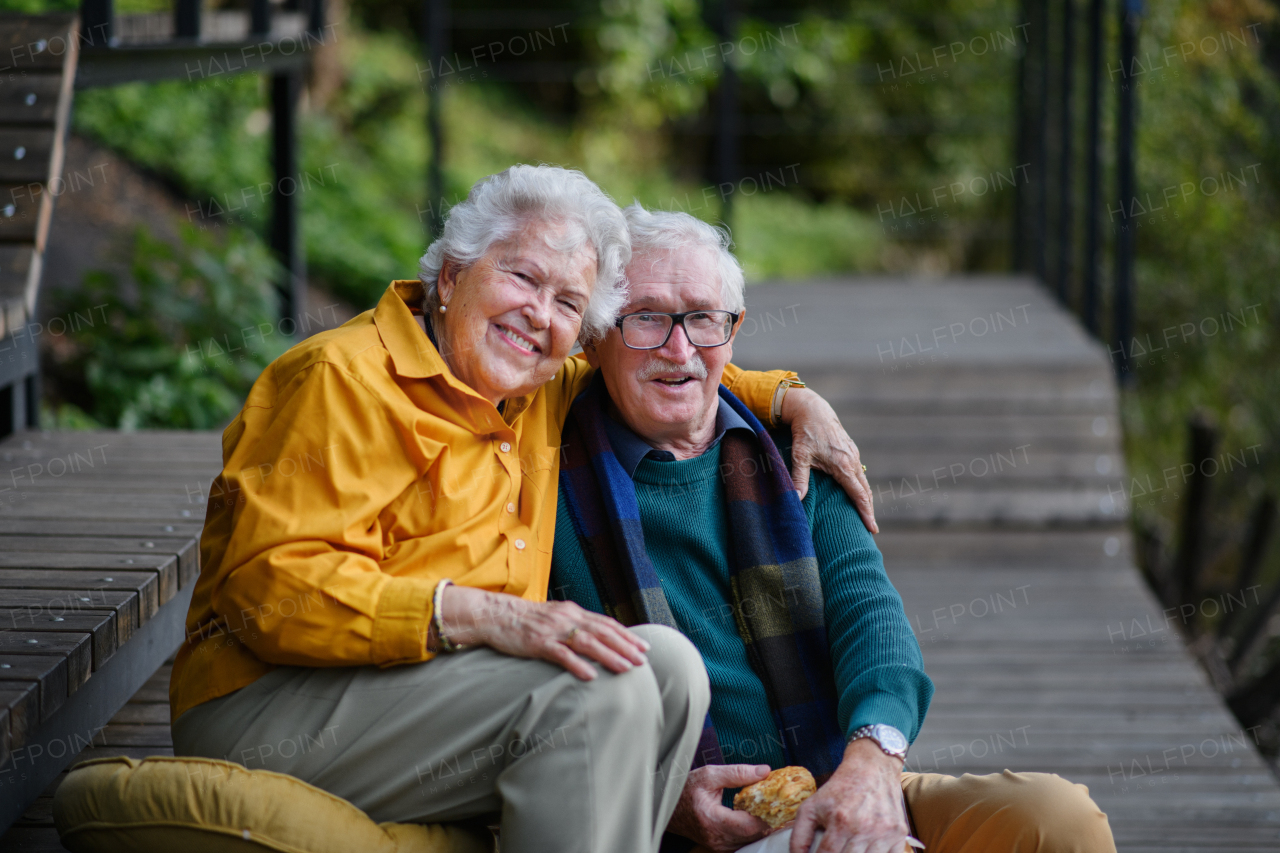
(695, 367)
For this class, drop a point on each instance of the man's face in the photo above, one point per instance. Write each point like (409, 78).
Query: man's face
(669, 392)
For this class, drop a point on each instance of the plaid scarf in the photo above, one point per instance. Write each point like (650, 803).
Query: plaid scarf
(772, 567)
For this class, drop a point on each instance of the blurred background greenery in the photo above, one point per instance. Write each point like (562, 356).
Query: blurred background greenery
(849, 126)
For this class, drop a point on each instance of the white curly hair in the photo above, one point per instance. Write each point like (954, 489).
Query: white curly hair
(500, 205)
(663, 230)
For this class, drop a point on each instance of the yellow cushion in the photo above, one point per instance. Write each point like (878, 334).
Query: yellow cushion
(201, 805)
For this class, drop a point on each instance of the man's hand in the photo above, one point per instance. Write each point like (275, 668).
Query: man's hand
(861, 804)
(699, 814)
(818, 440)
(557, 631)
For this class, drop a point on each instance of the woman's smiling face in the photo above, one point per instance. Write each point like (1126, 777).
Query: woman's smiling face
(513, 316)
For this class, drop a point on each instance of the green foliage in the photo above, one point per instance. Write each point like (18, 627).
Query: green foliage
(1210, 137)
(176, 345)
(362, 159)
(780, 236)
(872, 101)
(38, 7)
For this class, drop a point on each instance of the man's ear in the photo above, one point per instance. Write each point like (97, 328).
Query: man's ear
(742, 315)
(728, 348)
(592, 355)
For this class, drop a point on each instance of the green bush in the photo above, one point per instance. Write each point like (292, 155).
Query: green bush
(1207, 252)
(362, 159)
(178, 344)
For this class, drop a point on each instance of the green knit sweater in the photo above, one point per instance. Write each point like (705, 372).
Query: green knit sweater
(879, 672)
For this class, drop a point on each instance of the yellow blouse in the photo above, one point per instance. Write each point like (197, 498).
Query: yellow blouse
(359, 473)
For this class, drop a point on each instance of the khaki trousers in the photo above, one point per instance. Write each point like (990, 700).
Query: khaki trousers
(1005, 813)
(567, 766)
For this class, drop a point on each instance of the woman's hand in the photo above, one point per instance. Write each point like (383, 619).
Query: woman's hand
(818, 440)
(556, 631)
(700, 815)
(860, 805)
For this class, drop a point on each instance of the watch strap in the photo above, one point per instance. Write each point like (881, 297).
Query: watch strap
(876, 733)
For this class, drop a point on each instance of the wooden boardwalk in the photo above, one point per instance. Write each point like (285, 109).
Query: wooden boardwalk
(98, 557)
(989, 424)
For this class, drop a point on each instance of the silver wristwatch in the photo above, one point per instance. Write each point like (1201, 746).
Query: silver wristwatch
(890, 740)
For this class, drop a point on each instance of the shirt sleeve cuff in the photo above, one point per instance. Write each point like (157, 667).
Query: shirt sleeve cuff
(756, 389)
(887, 709)
(402, 621)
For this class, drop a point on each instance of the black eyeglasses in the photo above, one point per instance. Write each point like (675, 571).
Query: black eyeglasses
(652, 330)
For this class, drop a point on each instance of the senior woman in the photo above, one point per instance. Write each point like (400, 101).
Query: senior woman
(388, 494)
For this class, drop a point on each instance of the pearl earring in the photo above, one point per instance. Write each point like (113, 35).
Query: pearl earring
(441, 309)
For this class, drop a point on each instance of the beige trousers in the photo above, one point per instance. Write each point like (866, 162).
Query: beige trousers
(1005, 813)
(1002, 813)
(567, 766)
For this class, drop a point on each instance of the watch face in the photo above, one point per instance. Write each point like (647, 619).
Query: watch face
(890, 738)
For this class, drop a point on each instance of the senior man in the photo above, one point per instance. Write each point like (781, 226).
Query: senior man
(676, 508)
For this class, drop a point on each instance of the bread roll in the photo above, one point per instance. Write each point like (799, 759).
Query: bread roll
(775, 798)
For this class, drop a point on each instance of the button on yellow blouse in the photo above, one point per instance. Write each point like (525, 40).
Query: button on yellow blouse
(360, 473)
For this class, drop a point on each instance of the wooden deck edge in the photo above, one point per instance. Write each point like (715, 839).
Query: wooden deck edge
(60, 739)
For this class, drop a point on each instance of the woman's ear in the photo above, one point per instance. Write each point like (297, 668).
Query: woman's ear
(447, 281)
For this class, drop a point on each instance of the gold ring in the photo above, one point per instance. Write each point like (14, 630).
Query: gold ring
(568, 638)
(864, 469)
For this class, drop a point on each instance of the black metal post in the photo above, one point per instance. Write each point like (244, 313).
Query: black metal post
(1041, 169)
(97, 22)
(33, 391)
(728, 167)
(259, 17)
(1203, 438)
(1093, 153)
(1122, 332)
(186, 19)
(435, 21)
(1256, 538)
(285, 236)
(1022, 197)
(315, 17)
(1066, 189)
(1254, 637)
(1253, 704)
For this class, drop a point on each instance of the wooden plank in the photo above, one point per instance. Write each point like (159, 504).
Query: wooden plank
(32, 839)
(127, 734)
(99, 624)
(138, 712)
(164, 565)
(6, 735)
(21, 701)
(47, 671)
(144, 584)
(157, 687)
(138, 752)
(19, 211)
(54, 526)
(31, 99)
(34, 42)
(15, 266)
(76, 648)
(39, 813)
(25, 154)
(185, 549)
(61, 602)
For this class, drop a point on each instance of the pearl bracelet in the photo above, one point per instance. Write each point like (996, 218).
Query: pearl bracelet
(446, 645)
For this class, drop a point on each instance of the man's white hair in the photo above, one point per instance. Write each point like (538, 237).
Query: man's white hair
(499, 206)
(661, 230)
